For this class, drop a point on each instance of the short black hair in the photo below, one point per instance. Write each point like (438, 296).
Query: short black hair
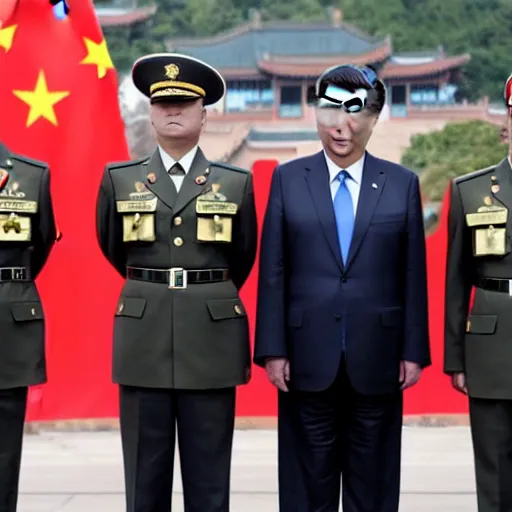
(352, 78)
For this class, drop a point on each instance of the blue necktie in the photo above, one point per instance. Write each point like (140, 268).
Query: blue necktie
(344, 212)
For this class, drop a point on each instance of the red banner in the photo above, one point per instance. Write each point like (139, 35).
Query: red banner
(59, 104)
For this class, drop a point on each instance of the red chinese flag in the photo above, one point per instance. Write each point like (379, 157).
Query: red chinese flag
(59, 104)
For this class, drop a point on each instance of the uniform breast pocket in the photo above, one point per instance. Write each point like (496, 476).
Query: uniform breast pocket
(15, 227)
(138, 220)
(215, 220)
(489, 232)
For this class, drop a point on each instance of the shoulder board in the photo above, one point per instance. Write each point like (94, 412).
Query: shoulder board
(31, 161)
(475, 174)
(128, 163)
(230, 167)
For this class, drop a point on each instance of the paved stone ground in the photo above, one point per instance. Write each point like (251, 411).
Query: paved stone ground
(82, 472)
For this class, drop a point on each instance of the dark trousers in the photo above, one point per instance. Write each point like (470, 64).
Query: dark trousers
(491, 430)
(344, 435)
(205, 424)
(13, 404)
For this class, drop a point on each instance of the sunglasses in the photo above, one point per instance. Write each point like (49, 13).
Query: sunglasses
(351, 104)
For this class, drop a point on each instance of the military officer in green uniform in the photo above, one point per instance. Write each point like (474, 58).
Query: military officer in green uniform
(27, 234)
(182, 230)
(478, 340)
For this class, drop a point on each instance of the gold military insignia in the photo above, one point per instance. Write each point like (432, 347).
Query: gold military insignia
(490, 227)
(495, 187)
(200, 180)
(213, 194)
(214, 216)
(138, 214)
(141, 192)
(151, 177)
(172, 71)
(13, 190)
(15, 228)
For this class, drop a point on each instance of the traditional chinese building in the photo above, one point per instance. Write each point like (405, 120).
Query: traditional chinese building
(114, 15)
(271, 68)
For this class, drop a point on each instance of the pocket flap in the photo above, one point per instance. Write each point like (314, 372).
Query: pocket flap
(27, 311)
(131, 306)
(391, 317)
(222, 309)
(481, 324)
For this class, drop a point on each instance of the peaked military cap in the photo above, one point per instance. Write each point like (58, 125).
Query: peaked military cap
(173, 77)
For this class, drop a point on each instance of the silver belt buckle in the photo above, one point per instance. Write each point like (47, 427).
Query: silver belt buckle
(17, 273)
(177, 278)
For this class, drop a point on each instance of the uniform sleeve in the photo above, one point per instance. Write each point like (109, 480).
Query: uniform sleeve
(245, 237)
(109, 230)
(458, 284)
(45, 232)
(416, 340)
(270, 339)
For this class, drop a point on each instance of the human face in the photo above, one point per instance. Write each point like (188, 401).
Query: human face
(344, 135)
(180, 120)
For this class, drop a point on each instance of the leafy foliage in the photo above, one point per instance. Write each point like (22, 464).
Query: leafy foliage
(479, 27)
(456, 150)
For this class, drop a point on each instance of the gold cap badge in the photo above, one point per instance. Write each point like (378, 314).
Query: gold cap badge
(172, 71)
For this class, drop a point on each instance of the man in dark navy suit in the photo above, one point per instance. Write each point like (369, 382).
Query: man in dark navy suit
(342, 322)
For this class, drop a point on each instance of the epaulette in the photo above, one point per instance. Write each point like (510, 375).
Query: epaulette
(230, 167)
(26, 160)
(127, 163)
(474, 174)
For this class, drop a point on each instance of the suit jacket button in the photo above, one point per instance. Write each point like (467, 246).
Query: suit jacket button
(178, 221)
(337, 318)
(343, 279)
(178, 241)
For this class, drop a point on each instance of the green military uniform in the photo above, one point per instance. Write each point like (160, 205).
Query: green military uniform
(181, 336)
(479, 343)
(27, 234)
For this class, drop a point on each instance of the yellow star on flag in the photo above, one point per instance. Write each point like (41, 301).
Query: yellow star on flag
(7, 36)
(97, 55)
(41, 101)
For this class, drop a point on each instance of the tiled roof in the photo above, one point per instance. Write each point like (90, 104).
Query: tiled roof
(113, 17)
(398, 70)
(247, 45)
(308, 67)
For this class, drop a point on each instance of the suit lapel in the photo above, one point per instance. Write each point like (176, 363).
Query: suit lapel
(317, 178)
(503, 174)
(190, 189)
(371, 189)
(159, 182)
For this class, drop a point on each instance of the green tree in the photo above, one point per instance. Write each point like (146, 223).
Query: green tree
(457, 149)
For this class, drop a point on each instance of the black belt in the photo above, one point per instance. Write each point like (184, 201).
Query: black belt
(177, 277)
(494, 285)
(8, 274)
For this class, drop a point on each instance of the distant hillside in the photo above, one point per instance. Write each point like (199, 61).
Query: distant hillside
(481, 27)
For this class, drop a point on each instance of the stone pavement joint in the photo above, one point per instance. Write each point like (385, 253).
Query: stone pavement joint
(79, 471)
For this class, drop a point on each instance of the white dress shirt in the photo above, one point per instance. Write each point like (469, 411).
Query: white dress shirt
(185, 161)
(353, 184)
